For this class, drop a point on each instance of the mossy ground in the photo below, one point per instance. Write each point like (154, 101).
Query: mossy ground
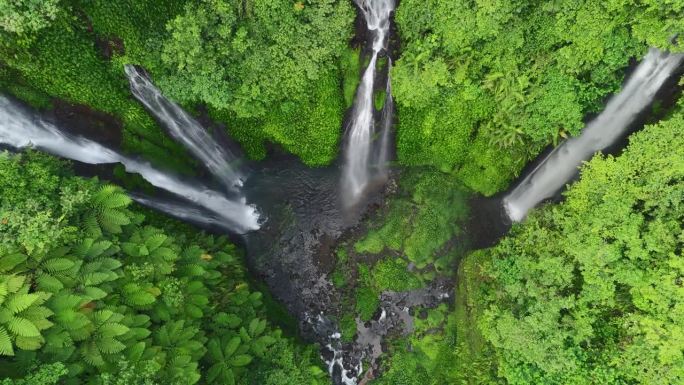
(416, 237)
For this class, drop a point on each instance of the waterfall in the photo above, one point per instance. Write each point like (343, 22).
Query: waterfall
(360, 162)
(182, 211)
(18, 129)
(186, 130)
(562, 164)
(383, 156)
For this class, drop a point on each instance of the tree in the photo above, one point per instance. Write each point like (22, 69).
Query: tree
(483, 86)
(113, 298)
(26, 17)
(590, 291)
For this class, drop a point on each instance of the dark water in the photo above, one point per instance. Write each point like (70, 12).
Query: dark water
(294, 249)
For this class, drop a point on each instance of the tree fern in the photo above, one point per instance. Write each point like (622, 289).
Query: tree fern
(20, 302)
(109, 207)
(22, 316)
(104, 340)
(111, 197)
(6, 346)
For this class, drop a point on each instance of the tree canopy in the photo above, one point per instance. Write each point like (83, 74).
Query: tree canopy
(590, 290)
(483, 86)
(92, 292)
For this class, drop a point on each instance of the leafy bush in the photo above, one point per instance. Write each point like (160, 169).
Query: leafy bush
(482, 87)
(280, 78)
(86, 281)
(590, 290)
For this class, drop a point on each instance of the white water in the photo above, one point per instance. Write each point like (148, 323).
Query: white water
(20, 130)
(182, 211)
(562, 164)
(383, 157)
(360, 167)
(185, 129)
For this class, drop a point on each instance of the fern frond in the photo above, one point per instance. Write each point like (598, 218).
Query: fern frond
(22, 327)
(29, 343)
(92, 226)
(6, 348)
(49, 283)
(111, 220)
(110, 345)
(15, 283)
(98, 248)
(91, 354)
(10, 261)
(20, 302)
(58, 264)
(110, 196)
(155, 241)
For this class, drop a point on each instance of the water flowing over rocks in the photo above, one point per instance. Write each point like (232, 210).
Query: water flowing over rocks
(561, 165)
(20, 129)
(220, 161)
(365, 157)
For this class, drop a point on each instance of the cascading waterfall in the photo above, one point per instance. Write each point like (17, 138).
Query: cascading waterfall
(562, 164)
(383, 154)
(360, 163)
(182, 211)
(183, 128)
(18, 129)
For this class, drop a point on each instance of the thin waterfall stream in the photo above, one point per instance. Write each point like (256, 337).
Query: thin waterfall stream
(562, 164)
(220, 161)
(365, 158)
(19, 129)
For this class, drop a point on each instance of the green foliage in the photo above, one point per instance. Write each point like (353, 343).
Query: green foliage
(45, 374)
(272, 71)
(279, 78)
(431, 358)
(86, 281)
(392, 274)
(22, 314)
(62, 60)
(482, 87)
(421, 221)
(20, 19)
(589, 291)
(367, 295)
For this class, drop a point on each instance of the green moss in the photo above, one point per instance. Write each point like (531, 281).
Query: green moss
(349, 65)
(372, 243)
(392, 274)
(339, 279)
(342, 255)
(367, 296)
(348, 327)
(379, 99)
(367, 302)
(382, 64)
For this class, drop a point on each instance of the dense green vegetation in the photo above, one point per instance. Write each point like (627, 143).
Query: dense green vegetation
(93, 292)
(416, 238)
(271, 69)
(591, 290)
(274, 71)
(482, 87)
(96, 290)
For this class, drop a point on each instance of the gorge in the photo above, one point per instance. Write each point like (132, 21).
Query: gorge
(340, 192)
